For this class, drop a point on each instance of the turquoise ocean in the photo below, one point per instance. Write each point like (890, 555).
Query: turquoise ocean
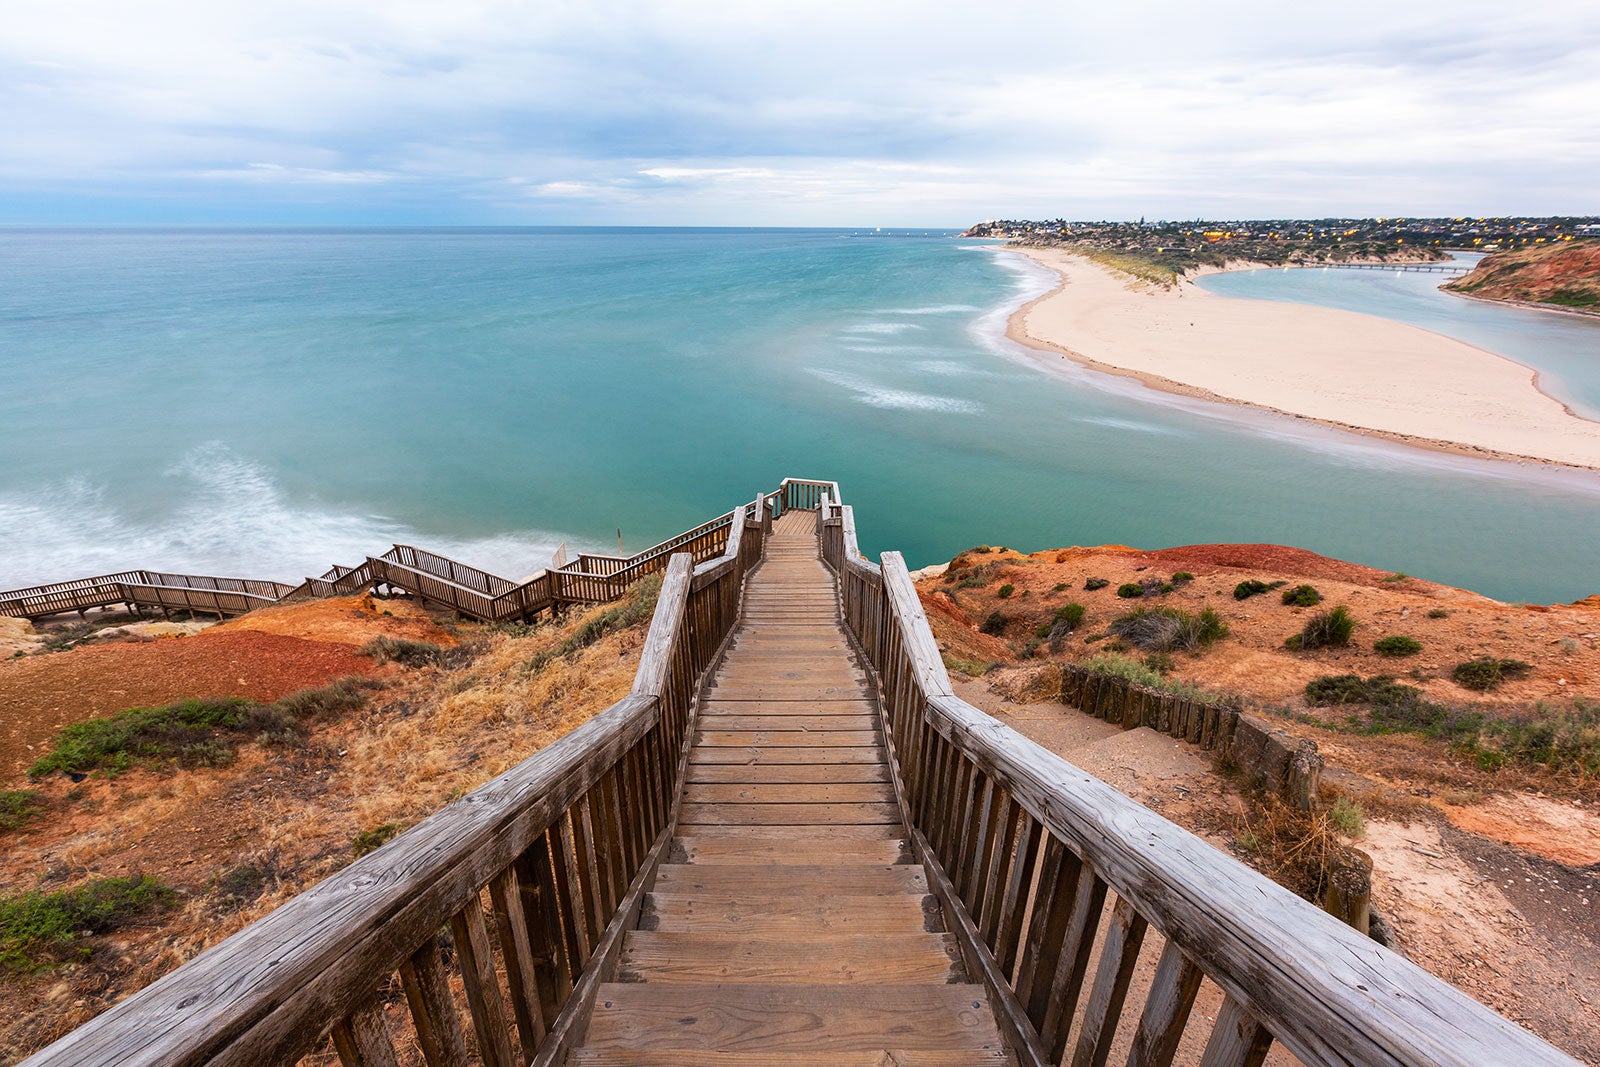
(266, 402)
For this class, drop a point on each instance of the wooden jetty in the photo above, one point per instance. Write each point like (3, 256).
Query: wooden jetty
(792, 844)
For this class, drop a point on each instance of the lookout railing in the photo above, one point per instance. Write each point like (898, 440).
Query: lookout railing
(1022, 848)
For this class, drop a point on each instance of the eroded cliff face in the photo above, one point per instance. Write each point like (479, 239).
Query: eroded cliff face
(1565, 275)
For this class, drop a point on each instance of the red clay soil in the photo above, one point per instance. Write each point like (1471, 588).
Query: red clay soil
(40, 694)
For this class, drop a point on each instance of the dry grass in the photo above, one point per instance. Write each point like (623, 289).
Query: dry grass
(290, 814)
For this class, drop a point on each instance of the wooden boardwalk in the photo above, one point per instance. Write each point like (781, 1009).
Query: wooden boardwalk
(788, 924)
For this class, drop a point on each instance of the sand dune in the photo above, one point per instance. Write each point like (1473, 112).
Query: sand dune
(1358, 372)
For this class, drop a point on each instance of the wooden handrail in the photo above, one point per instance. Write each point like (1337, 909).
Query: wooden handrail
(564, 842)
(994, 813)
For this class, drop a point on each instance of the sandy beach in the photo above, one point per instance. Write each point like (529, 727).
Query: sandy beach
(1357, 372)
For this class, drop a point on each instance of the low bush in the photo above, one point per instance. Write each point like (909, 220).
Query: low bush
(195, 733)
(177, 733)
(1348, 817)
(1565, 739)
(1302, 596)
(1329, 629)
(1130, 590)
(1397, 645)
(17, 806)
(1166, 629)
(1005, 591)
(329, 702)
(1069, 615)
(373, 839)
(1117, 665)
(970, 668)
(1487, 672)
(38, 930)
(402, 650)
(994, 625)
(1181, 577)
(1248, 588)
(1439, 613)
(1059, 587)
(638, 606)
(1091, 584)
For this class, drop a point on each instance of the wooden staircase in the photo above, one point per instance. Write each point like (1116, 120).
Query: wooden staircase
(789, 924)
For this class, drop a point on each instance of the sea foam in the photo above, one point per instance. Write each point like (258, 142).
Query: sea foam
(231, 519)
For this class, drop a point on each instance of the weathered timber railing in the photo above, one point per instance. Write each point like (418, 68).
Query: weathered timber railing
(562, 845)
(449, 583)
(1024, 850)
(145, 589)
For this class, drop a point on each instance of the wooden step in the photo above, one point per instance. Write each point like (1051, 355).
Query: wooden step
(777, 739)
(691, 815)
(813, 833)
(785, 915)
(796, 793)
(712, 702)
(810, 1019)
(719, 720)
(754, 756)
(790, 773)
(906, 958)
(788, 692)
(778, 852)
(877, 880)
(885, 1057)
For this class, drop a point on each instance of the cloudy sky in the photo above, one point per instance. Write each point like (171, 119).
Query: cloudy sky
(864, 112)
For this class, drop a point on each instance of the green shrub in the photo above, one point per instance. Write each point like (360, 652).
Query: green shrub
(968, 667)
(1091, 584)
(639, 606)
(386, 649)
(1116, 665)
(984, 549)
(1302, 596)
(1070, 615)
(1182, 576)
(17, 806)
(1329, 629)
(1348, 817)
(1397, 645)
(373, 839)
(1059, 587)
(1130, 590)
(1487, 672)
(1248, 588)
(39, 929)
(329, 702)
(1339, 689)
(994, 625)
(1160, 662)
(1166, 629)
(1005, 591)
(1439, 613)
(175, 733)
(1397, 576)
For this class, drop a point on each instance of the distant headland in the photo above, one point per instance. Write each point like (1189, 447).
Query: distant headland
(1164, 252)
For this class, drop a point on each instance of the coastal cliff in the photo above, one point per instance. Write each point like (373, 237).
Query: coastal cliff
(1565, 275)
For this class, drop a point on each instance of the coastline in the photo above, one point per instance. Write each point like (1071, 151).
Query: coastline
(1357, 373)
(1526, 305)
